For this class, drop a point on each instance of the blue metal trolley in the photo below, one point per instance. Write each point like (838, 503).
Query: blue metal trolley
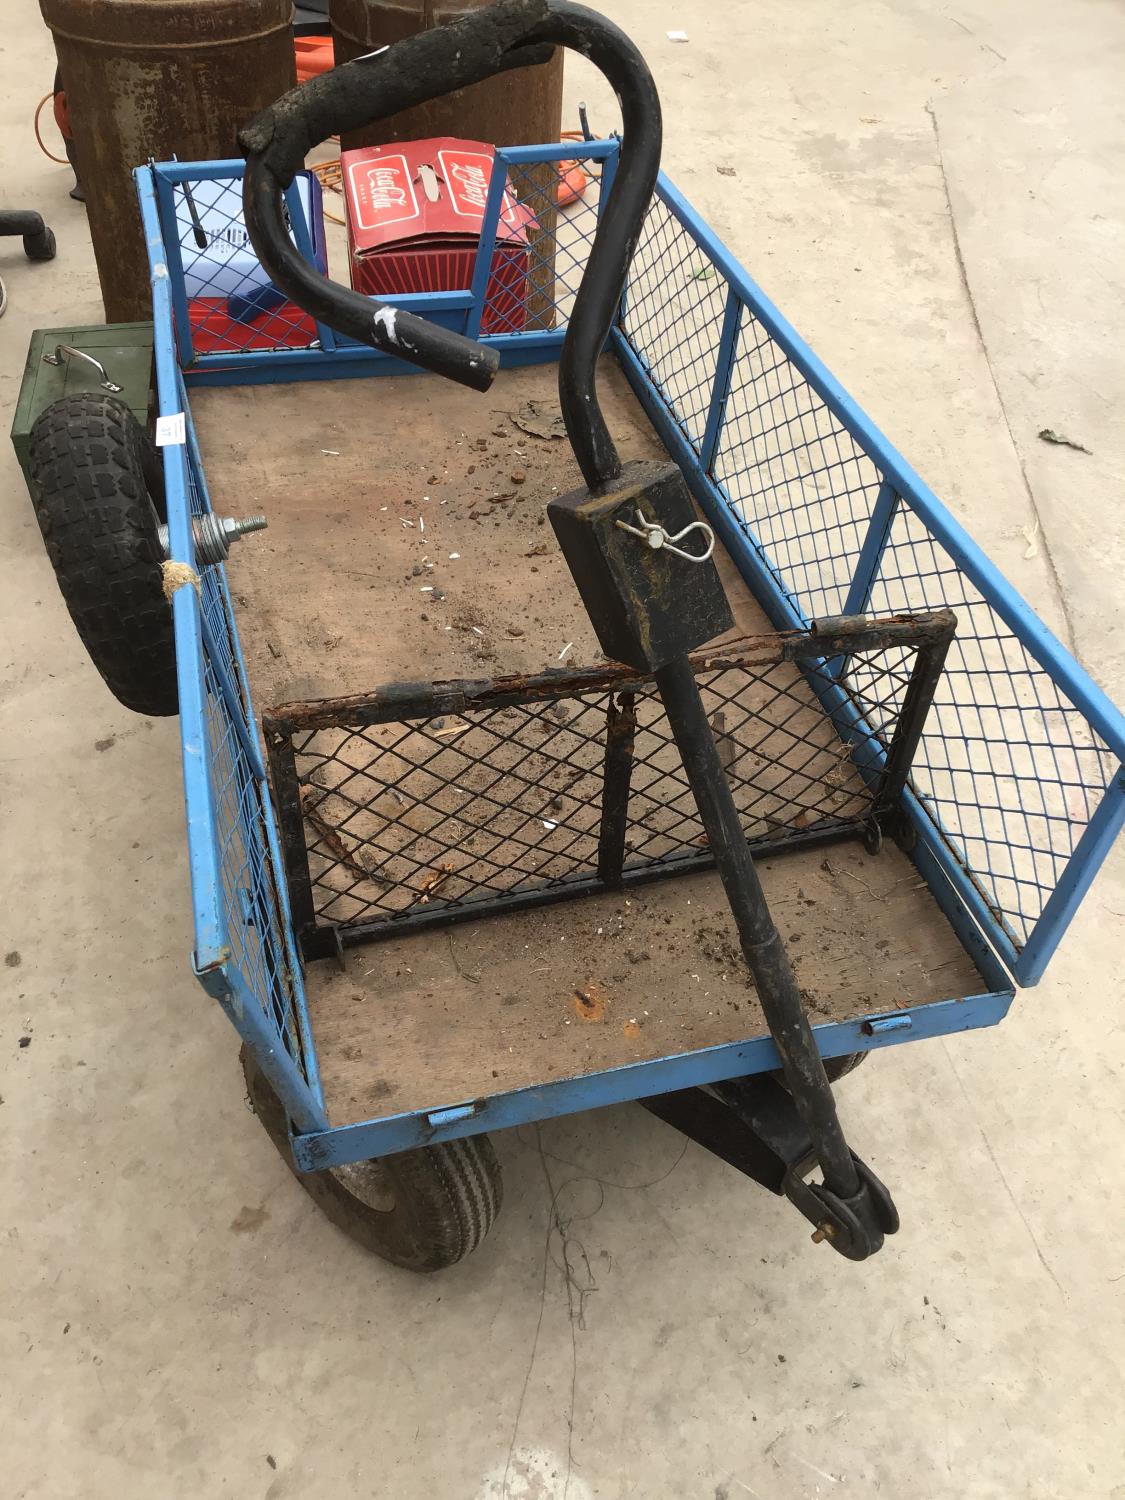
(1009, 797)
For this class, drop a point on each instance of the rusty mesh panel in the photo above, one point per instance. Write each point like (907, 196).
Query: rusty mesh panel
(442, 811)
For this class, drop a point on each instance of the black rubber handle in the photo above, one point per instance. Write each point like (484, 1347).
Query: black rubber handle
(509, 34)
(276, 142)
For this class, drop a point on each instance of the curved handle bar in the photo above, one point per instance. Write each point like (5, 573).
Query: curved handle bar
(510, 34)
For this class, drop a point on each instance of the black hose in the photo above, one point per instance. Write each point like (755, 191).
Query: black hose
(619, 228)
(511, 34)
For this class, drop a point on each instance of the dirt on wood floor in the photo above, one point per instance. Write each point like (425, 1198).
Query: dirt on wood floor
(408, 541)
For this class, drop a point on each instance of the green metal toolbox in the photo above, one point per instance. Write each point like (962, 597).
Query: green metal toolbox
(90, 358)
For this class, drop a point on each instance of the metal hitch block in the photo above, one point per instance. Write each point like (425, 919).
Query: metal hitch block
(626, 548)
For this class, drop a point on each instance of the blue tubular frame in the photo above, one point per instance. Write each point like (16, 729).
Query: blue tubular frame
(339, 358)
(982, 929)
(301, 1094)
(564, 1096)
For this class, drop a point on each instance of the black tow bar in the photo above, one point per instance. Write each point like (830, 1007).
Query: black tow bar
(640, 556)
(643, 564)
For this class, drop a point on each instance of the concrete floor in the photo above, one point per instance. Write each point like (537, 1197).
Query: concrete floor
(177, 1321)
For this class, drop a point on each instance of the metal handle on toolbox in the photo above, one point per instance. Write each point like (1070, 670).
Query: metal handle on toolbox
(72, 353)
(511, 34)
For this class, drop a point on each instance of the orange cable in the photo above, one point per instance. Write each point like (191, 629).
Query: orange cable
(62, 160)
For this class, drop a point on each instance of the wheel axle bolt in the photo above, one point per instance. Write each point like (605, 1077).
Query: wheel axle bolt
(212, 536)
(233, 529)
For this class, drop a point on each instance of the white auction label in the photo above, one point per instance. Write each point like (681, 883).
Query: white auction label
(171, 431)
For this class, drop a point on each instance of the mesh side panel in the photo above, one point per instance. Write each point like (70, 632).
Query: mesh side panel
(251, 902)
(402, 815)
(672, 317)
(788, 768)
(249, 899)
(1008, 768)
(790, 472)
(429, 814)
(532, 290)
(232, 308)
(793, 475)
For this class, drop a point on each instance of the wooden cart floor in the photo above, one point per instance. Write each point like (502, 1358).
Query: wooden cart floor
(433, 1019)
(407, 541)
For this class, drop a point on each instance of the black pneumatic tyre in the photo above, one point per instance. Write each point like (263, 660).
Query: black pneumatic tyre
(97, 488)
(835, 1067)
(840, 1067)
(424, 1209)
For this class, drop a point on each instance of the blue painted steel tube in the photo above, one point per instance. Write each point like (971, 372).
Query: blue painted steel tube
(720, 384)
(353, 361)
(870, 555)
(211, 947)
(605, 186)
(258, 1032)
(235, 166)
(871, 552)
(486, 245)
(564, 1096)
(303, 240)
(173, 257)
(560, 151)
(200, 171)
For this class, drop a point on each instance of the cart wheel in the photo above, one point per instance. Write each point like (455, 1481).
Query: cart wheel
(424, 1209)
(97, 488)
(840, 1067)
(835, 1067)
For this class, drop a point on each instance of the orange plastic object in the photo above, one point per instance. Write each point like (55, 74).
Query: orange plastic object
(573, 182)
(62, 115)
(314, 56)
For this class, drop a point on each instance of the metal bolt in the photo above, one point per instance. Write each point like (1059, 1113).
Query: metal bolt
(824, 1231)
(233, 529)
(212, 535)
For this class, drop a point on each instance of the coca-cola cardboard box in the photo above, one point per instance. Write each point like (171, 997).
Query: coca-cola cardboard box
(414, 213)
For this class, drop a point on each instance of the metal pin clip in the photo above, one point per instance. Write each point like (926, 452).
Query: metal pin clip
(654, 534)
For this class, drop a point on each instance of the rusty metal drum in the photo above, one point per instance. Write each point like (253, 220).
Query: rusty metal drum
(157, 78)
(523, 107)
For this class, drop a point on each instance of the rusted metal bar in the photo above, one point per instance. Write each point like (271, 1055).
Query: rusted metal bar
(929, 664)
(291, 729)
(620, 731)
(290, 818)
(423, 700)
(327, 940)
(851, 633)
